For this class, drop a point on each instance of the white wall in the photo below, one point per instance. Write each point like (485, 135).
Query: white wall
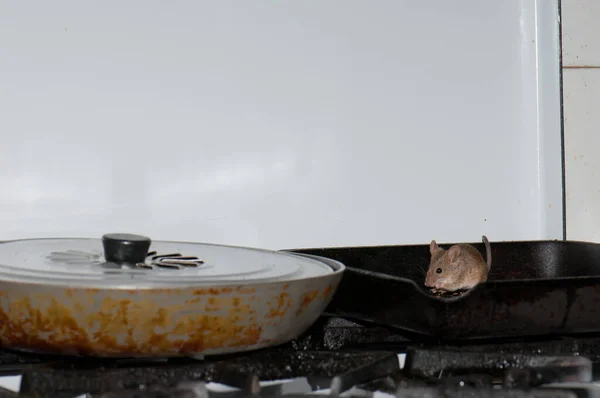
(277, 124)
(581, 86)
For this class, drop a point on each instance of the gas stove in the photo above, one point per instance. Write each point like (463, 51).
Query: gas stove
(335, 357)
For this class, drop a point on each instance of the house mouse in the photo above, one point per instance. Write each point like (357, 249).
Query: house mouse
(460, 267)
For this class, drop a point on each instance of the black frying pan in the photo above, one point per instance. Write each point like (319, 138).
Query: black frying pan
(534, 288)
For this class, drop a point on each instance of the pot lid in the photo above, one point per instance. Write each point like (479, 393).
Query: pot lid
(134, 261)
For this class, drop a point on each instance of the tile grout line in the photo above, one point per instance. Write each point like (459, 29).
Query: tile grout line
(581, 67)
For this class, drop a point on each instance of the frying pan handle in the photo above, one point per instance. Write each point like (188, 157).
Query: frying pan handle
(125, 248)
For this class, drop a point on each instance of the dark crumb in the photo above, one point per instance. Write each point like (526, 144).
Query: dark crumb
(444, 294)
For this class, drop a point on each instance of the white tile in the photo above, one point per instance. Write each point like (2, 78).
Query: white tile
(581, 32)
(582, 153)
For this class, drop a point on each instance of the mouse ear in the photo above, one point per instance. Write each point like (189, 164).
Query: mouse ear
(453, 253)
(433, 247)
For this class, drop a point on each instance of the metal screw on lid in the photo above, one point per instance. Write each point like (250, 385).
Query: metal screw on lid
(125, 248)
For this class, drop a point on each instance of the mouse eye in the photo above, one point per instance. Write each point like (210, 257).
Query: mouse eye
(439, 270)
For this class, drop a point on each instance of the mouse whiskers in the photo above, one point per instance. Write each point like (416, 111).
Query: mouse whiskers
(421, 269)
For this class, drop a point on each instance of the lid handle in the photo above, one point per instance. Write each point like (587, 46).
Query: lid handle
(125, 248)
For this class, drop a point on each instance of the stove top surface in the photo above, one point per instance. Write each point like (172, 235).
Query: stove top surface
(335, 357)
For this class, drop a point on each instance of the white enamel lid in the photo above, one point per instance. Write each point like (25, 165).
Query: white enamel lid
(83, 262)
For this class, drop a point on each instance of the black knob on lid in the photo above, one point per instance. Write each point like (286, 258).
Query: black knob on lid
(125, 248)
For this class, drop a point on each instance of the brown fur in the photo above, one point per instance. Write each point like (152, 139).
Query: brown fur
(461, 267)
